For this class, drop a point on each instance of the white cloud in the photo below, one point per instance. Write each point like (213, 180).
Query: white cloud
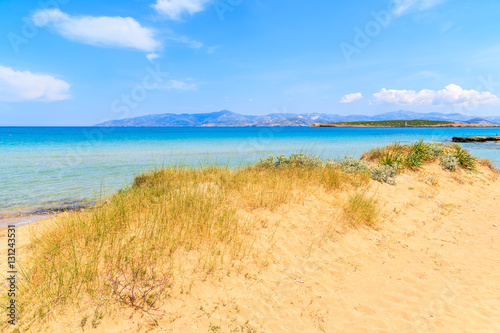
(175, 9)
(351, 98)
(178, 85)
(102, 31)
(212, 49)
(152, 56)
(402, 7)
(16, 86)
(451, 95)
(194, 44)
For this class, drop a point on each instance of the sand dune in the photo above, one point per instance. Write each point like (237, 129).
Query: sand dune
(431, 264)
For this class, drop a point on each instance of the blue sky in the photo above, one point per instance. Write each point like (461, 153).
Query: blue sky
(68, 62)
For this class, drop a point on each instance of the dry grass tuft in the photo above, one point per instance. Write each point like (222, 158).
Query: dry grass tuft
(487, 164)
(360, 211)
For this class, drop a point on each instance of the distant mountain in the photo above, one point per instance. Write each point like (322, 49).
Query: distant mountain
(477, 121)
(227, 118)
(409, 115)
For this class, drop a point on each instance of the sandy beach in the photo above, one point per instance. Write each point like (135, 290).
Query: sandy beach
(430, 264)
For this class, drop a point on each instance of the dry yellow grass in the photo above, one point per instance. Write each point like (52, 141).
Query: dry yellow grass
(131, 249)
(488, 164)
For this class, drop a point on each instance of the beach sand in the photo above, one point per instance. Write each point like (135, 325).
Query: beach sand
(431, 264)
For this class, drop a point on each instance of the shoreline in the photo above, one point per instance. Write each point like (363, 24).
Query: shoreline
(18, 221)
(24, 217)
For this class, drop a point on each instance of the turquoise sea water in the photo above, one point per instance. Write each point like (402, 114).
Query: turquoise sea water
(47, 167)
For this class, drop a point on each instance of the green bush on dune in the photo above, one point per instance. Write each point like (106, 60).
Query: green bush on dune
(388, 161)
(416, 155)
(384, 174)
(298, 160)
(449, 162)
(352, 165)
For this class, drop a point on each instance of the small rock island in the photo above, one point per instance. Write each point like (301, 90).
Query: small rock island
(475, 138)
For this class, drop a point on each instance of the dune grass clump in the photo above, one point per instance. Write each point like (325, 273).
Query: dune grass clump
(391, 159)
(464, 158)
(360, 210)
(418, 154)
(414, 156)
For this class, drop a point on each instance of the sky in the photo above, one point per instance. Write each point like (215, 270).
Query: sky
(79, 63)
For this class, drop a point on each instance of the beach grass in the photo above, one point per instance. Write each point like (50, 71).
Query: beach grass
(131, 250)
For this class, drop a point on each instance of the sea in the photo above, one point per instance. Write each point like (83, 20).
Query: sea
(44, 169)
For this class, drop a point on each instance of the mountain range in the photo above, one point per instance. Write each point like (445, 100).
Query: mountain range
(227, 118)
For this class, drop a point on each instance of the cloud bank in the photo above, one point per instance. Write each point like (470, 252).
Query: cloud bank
(450, 95)
(17, 86)
(101, 31)
(351, 98)
(176, 9)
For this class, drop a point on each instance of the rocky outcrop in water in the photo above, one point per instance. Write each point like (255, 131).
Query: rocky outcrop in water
(475, 138)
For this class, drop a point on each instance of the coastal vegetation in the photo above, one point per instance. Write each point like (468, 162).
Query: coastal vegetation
(414, 156)
(391, 123)
(138, 246)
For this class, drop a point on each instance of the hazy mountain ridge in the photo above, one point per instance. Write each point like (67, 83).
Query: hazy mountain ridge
(227, 118)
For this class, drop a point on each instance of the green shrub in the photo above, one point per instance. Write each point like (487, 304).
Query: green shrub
(436, 150)
(449, 162)
(352, 165)
(384, 174)
(298, 160)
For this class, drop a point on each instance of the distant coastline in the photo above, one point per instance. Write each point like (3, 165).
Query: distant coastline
(227, 118)
(402, 123)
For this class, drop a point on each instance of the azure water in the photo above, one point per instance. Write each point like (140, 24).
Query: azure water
(46, 167)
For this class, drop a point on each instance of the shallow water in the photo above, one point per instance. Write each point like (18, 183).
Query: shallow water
(43, 167)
